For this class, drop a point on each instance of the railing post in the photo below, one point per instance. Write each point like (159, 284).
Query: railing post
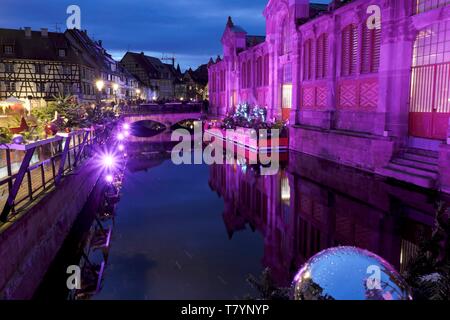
(81, 148)
(16, 185)
(63, 160)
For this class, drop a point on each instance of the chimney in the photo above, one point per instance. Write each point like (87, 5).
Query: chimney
(100, 43)
(27, 32)
(44, 33)
(301, 8)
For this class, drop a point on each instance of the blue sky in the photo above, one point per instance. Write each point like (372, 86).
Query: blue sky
(190, 29)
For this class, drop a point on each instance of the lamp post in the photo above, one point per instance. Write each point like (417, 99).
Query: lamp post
(115, 87)
(138, 95)
(100, 84)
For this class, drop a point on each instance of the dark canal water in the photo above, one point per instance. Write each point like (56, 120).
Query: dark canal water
(198, 232)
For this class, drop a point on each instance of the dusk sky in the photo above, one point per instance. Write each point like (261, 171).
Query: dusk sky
(190, 29)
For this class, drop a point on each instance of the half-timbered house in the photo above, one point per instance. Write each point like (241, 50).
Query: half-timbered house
(39, 65)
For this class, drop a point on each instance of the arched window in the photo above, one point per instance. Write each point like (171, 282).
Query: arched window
(249, 74)
(307, 60)
(266, 70)
(370, 50)
(430, 82)
(259, 81)
(322, 56)
(243, 76)
(286, 45)
(349, 50)
(426, 5)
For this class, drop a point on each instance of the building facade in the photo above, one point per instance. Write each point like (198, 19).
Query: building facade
(161, 78)
(363, 83)
(106, 68)
(38, 65)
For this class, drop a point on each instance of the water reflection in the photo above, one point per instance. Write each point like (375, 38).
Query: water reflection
(314, 204)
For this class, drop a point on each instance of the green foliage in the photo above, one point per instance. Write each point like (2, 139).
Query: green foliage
(45, 114)
(5, 135)
(429, 272)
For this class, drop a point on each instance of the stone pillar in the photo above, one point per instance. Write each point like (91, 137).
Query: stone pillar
(296, 78)
(397, 39)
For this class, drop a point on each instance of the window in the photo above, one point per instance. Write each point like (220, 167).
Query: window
(349, 50)
(40, 87)
(322, 56)
(62, 53)
(266, 70)
(8, 49)
(287, 73)
(307, 60)
(10, 86)
(40, 68)
(67, 70)
(9, 67)
(67, 88)
(243, 76)
(286, 44)
(370, 50)
(432, 45)
(259, 80)
(249, 74)
(427, 5)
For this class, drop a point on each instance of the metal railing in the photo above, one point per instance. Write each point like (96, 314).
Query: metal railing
(30, 170)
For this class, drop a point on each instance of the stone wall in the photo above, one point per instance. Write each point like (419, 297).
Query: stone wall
(444, 167)
(366, 152)
(29, 244)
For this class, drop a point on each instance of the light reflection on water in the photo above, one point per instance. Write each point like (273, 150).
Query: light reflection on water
(196, 232)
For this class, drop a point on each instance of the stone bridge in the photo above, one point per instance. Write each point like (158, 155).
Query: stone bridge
(167, 119)
(167, 115)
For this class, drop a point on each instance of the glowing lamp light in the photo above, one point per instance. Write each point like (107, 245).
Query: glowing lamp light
(108, 161)
(115, 87)
(109, 178)
(126, 134)
(126, 126)
(121, 147)
(120, 137)
(100, 84)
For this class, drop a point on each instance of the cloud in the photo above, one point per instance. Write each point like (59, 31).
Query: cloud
(190, 29)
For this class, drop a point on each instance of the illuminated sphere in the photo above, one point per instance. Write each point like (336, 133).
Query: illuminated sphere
(349, 273)
(17, 139)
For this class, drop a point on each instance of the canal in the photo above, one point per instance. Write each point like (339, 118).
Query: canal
(200, 232)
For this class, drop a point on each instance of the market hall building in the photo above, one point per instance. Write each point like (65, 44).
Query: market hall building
(362, 83)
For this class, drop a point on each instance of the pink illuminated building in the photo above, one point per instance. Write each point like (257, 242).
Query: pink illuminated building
(362, 83)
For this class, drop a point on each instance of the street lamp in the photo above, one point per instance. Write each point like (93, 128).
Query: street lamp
(100, 84)
(115, 87)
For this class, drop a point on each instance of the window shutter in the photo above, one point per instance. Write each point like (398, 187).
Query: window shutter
(307, 72)
(349, 50)
(376, 50)
(354, 48)
(322, 56)
(366, 59)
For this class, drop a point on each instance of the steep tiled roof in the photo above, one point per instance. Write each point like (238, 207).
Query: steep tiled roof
(39, 47)
(93, 49)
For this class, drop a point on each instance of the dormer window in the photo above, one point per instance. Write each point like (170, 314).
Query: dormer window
(8, 49)
(62, 53)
